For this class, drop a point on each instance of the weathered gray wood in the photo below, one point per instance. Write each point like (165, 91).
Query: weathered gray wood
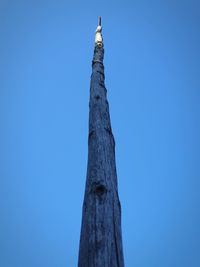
(101, 239)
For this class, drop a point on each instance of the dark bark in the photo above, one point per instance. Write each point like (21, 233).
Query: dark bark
(101, 239)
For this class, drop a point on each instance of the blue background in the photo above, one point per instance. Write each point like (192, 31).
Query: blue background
(152, 67)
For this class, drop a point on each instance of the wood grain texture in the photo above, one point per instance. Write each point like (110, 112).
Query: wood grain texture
(101, 238)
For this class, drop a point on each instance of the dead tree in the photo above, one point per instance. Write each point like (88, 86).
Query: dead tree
(101, 238)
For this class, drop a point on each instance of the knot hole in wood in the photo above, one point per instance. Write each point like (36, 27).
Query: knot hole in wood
(100, 189)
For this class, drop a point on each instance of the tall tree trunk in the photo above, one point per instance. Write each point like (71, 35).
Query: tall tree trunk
(101, 238)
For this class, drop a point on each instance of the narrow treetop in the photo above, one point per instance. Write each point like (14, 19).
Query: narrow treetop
(98, 34)
(99, 23)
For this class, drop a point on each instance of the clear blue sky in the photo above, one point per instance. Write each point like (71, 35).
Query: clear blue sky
(152, 65)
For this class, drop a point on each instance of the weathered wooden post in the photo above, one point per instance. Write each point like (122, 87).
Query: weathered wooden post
(101, 238)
